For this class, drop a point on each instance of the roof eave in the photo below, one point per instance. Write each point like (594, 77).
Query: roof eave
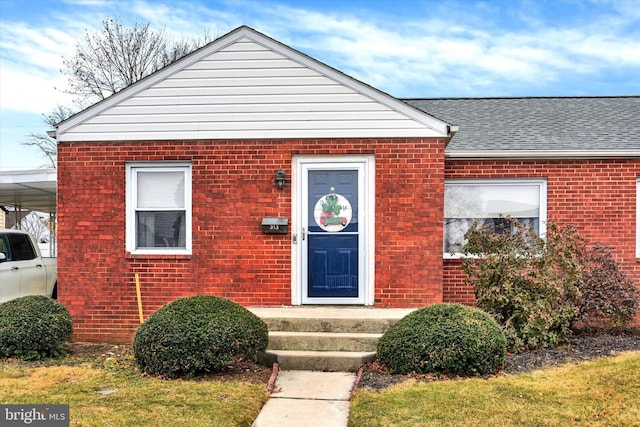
(540, 154)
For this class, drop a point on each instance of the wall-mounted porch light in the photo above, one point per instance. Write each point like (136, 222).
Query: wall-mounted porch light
(280, 179)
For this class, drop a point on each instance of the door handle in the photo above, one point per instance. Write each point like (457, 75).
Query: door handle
(304, 233)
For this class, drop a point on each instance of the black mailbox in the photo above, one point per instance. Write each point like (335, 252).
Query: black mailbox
(275, 225)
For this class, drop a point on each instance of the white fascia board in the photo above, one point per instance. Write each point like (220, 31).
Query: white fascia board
(429, 121)
(542, 154)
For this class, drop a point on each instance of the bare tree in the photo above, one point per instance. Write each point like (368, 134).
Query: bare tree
(43, 142)
(106, 62)
(34, 223)
(117, 56)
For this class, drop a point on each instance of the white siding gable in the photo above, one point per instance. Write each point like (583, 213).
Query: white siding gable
(248, 86)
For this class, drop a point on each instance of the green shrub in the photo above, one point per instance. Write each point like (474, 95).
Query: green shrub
(608, 297)
(197, 334)
(444, 338)
(34, 327)
(537, 289)
(527, 284)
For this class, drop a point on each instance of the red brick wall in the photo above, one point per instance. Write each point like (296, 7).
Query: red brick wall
(596, 196)
(232, 191)
(409, 226)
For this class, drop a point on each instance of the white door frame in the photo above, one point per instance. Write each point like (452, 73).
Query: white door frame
(367, 207)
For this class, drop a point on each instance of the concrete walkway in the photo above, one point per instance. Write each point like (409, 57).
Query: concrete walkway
(308, 398)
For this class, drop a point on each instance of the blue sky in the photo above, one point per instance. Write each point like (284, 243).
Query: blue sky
(407, 48)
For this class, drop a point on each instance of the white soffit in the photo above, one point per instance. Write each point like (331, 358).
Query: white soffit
(246, 85)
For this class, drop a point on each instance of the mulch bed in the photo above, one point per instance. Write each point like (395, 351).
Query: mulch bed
(120, 356)
(583, 346)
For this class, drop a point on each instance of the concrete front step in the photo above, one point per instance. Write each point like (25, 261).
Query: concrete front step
(330, 318)
(317, 360)
(329, 325)
(323, 341)
(324, 338)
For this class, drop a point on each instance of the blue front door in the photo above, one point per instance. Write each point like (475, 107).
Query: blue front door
(332, 235)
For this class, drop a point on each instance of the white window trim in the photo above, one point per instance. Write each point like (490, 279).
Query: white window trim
(367, 207)
(638, 217)
(131, 168)
(541, 182)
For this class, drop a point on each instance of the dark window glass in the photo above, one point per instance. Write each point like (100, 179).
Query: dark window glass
(160, 229)
(21, 247)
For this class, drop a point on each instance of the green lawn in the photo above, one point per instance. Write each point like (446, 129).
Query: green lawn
(602, 392)
(99, 397)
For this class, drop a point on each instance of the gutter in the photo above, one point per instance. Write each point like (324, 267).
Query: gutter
(540, 154)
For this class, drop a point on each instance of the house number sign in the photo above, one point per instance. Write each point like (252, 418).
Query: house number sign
(332, 212)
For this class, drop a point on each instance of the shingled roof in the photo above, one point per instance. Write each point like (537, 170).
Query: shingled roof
(539, 126)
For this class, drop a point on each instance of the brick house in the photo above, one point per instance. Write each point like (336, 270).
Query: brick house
(251, 171)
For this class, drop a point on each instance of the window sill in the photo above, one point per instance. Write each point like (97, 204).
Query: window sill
(163, 256)
(458, 256)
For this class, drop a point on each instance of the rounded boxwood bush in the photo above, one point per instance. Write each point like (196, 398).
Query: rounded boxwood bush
(197, 334)
(34, 327)
(444, 338)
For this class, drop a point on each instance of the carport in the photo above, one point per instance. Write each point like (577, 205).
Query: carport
(31, 190)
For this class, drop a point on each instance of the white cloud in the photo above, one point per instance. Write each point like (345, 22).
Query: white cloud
(189, 20)
(30, 92)
(92, 3)
(474, 52)
(31, 60)
(440, 50)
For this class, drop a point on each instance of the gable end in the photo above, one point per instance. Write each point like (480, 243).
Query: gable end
(247, 86)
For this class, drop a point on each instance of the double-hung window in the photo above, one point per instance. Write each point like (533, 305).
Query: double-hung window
(489, 202)
(159, 208)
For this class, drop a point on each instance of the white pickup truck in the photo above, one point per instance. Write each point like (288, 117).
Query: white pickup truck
(23, 270)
